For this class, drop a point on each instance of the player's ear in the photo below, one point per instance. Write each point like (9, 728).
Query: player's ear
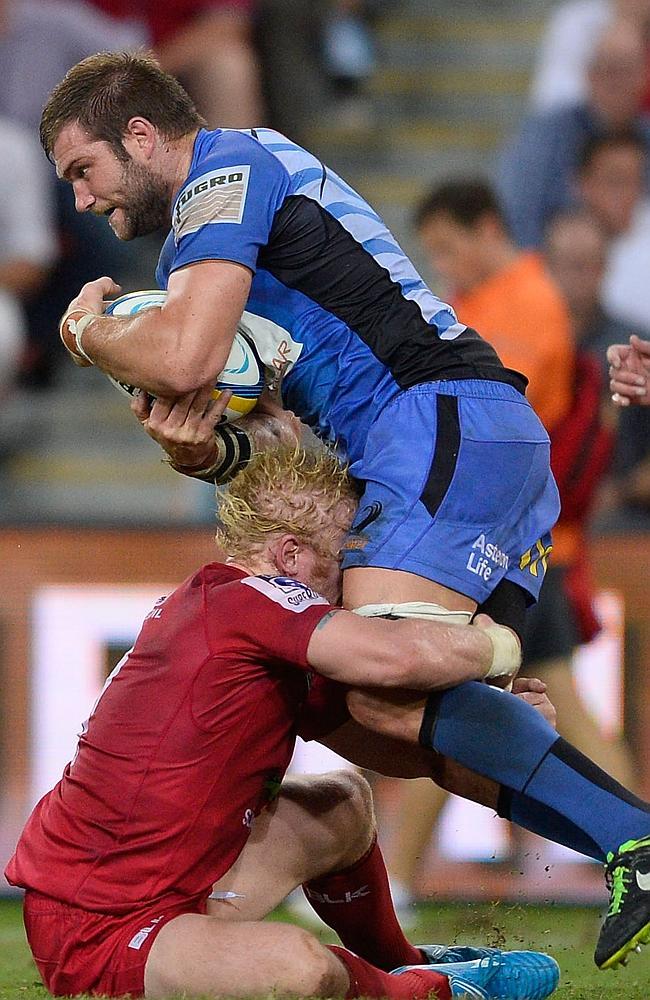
(286, 554)
(140, 136)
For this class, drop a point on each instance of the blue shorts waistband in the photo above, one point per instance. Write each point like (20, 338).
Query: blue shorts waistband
(477, 388)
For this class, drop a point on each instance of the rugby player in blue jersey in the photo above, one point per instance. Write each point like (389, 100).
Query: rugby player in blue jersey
(458, 499)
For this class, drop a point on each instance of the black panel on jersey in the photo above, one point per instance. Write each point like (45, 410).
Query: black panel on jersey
(309, 250)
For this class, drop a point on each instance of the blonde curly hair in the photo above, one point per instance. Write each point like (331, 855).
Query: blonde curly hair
(286, 489)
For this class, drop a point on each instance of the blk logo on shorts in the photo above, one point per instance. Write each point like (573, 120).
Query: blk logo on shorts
(139, 939)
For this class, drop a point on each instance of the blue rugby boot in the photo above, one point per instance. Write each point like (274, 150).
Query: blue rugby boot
(627, 923)
(504, 975)
(436, 954)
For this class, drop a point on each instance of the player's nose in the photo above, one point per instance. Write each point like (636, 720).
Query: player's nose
(83, 198)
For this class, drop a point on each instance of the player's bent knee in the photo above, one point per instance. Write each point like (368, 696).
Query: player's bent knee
(359, 791)
(359, 799)
(341, 801)
(319, 972)
(358, 824)
(321, 793)
(200, 956)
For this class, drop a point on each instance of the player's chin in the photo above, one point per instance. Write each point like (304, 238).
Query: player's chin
(122, 226)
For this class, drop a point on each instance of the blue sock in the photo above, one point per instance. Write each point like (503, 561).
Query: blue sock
(505, 739)
(546, 822)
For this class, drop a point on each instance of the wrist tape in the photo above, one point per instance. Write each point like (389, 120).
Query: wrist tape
(234, 450)
(506, 651)
(77, 327)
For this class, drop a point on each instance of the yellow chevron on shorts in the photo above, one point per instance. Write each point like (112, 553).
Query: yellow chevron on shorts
(536, 558)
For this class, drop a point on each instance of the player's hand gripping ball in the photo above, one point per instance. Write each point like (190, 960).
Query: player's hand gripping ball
(243, 374)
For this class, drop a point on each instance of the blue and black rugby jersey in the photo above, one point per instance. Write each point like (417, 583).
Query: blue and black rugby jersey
(334, 299)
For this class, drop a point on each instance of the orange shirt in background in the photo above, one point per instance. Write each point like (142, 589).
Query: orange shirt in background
(522, 314)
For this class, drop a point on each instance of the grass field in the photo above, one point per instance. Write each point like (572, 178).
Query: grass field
(568, 934)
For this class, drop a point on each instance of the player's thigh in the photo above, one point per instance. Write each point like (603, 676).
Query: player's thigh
(199, 955)
(373, 585)
(318, 823)
(458, 491)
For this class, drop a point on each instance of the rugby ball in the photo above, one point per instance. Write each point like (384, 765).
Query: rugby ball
(244, 371)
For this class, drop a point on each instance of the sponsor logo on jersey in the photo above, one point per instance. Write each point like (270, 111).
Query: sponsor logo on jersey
(218, 196)
(355, 543)
(290, 594)
(484, 557)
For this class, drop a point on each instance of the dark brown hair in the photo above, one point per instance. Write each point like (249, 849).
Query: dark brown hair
(106, 90)
(465, 201)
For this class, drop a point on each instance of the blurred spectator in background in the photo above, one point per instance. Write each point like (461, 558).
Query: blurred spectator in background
(28, 248)
(511, 298)
(208, 45)
(289, 38)
(499, 289)
(611, 185)
(572, 35)
(537, 170)
(576, 250)
(28, 241)
(630, 507)
(39, 41)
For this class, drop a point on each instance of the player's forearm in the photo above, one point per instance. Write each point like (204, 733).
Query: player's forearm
(439, 656)
(410, 653)
(151, 352)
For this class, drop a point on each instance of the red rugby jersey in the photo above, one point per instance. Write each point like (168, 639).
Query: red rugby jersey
(188, 741)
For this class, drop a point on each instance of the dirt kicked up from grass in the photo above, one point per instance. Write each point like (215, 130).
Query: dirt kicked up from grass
(569, 934)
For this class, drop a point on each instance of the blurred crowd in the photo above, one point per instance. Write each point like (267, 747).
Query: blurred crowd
(548, 255)
(239, 60)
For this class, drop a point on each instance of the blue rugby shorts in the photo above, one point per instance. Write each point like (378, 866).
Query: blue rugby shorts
(457, 489)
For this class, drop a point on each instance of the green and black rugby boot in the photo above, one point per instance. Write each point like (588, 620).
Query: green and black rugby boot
(627, 924)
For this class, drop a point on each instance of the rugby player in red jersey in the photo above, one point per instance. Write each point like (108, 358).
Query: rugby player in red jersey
(149, 867)
(543, 783)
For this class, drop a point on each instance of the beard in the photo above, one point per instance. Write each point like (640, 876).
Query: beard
(148, 206)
